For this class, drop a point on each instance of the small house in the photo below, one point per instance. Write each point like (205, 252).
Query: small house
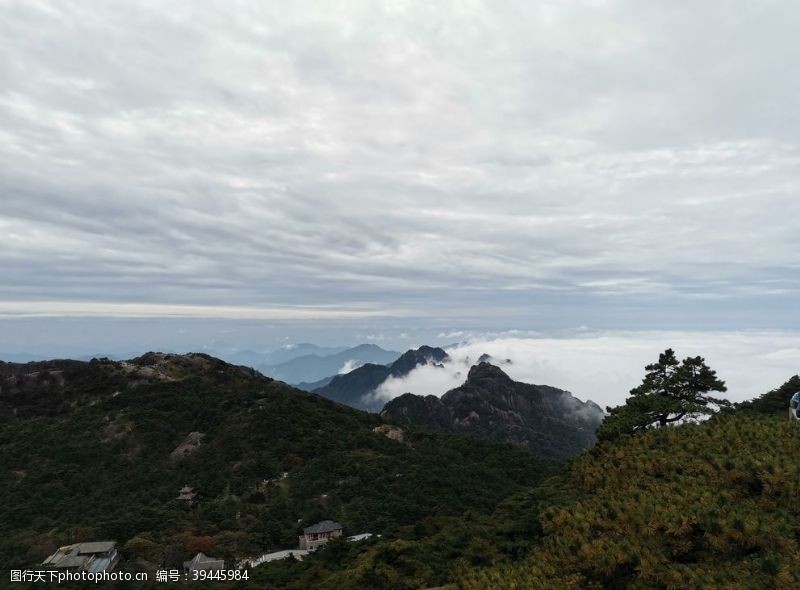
(319, 534)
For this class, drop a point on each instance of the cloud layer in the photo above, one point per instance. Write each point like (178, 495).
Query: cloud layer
(604, 367)
(449, 159)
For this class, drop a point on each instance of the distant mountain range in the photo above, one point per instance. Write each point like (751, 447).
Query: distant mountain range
(314, 367)
(254, 358)
(307, 365)
(545, 420)
(549, 422)
(354, 388)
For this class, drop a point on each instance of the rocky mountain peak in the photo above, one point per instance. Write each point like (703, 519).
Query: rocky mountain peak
(355, 388)
(411, 359)
(484, 371)
(548, 421)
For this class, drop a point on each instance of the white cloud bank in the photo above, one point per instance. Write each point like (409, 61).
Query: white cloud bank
(603, 367)
(349, 365)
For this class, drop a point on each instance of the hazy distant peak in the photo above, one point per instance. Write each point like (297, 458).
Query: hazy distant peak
(310, 368)
(365, 347)
(353, 388)
(411, 359)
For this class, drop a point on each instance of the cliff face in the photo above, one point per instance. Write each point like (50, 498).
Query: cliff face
(549, 422)
(427, 411)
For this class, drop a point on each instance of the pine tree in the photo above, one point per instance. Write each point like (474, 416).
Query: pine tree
(670, 391)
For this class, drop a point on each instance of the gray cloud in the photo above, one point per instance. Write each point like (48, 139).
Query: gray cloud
(590, 161)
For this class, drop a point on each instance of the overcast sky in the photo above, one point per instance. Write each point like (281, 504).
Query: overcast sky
(342, 171)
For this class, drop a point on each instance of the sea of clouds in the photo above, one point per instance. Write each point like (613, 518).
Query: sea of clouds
(604, 366)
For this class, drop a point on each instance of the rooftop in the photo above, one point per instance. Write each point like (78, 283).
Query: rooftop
(82, 555)
(326, 526)
(95, 547)
(202, 561)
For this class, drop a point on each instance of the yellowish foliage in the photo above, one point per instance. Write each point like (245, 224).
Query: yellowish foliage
(712, 505)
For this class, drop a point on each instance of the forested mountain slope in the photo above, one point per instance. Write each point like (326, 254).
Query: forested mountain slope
(710, 505)
(94, 451)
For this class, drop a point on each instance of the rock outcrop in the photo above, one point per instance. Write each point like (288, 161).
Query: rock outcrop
(550, 422)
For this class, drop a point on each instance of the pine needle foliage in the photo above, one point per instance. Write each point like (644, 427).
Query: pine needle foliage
(670, 391)
(775, 401)
(710, 505)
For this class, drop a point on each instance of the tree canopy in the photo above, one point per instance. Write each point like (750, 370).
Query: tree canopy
(775, 401)
(671, 390)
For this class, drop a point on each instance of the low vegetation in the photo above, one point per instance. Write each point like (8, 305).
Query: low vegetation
(709, 505)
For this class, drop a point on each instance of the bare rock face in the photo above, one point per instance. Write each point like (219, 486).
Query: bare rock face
(427, 411)
(391, 432)
(189, 445)
(116, 429)
(550, 422)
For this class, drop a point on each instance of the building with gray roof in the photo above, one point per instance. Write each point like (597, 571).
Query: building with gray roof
(318, 534)
(95, 557)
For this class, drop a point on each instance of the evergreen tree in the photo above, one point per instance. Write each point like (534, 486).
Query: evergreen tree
(670, 391)
(775, 401)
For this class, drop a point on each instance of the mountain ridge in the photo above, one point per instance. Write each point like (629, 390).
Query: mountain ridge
(352, 388)
(548, 421)
(314, 367)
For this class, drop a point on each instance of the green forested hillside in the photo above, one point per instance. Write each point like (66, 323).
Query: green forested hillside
(87, 454)
(711, 505)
